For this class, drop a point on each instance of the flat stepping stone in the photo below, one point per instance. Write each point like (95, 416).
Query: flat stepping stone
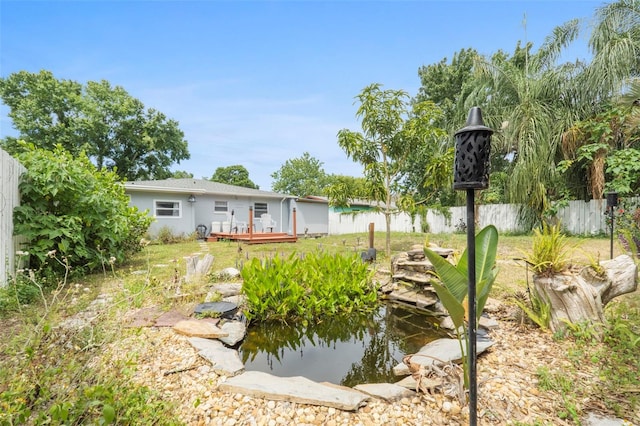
(444, 351)
(199, 328)
(293, 389)
(416, 277)
(169, 319)
(409, 295)
(224, 361)
(145, 317)
(410, 383)
(387, 391)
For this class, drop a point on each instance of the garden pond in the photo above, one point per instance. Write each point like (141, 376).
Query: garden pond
(346, 350)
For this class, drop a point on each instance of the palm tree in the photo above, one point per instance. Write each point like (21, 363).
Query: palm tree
(614, 69)
(615, 44)
(528, 98)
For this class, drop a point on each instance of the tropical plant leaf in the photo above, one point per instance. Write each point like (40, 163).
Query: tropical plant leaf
(453, 279)
(451, 304)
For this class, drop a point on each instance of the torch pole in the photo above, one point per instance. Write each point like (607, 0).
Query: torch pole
(471, 300)
(611, 236)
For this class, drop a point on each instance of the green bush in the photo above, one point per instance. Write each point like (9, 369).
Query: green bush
(307, 286)
(70, 208)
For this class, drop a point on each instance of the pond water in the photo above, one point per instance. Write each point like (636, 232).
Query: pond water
(346, 350)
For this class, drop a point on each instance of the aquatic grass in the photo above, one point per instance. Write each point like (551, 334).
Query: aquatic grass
(307, 286)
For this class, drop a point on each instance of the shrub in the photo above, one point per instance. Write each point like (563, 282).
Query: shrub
(70, 207)
(627, 224)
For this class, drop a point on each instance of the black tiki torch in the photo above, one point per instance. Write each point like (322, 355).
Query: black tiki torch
(471, 172)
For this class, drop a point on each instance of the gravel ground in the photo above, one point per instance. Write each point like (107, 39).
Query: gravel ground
(508, 391)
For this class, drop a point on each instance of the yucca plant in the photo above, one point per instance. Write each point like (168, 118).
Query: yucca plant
(453, 288)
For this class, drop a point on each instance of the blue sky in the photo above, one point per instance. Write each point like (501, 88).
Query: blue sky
(259, 82)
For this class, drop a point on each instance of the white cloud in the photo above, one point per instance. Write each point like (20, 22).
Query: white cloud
(260, 133)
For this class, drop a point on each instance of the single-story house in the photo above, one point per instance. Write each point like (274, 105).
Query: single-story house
(185, 205)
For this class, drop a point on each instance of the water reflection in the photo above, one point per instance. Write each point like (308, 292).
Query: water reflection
(345, 350)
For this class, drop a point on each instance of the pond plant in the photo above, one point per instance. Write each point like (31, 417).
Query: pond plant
(453, 288)
(307, 286)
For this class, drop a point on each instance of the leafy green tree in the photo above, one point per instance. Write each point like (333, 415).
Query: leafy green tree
(113, 128)
(342, 189)
(392, 132)
(448, 85)
(70, 207)
(181, 174)
(300, 176)
(233, 175)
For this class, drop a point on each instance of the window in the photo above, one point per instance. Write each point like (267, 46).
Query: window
(259, 209)
(220, 206)
(167, 208)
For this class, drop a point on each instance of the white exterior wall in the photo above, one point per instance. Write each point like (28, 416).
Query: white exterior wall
(312, 217)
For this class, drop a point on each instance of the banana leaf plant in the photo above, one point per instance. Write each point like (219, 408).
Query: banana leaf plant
(453, 288)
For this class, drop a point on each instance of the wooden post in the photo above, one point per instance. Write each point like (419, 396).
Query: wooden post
(295, 229)
(371, 229)
(250, 223)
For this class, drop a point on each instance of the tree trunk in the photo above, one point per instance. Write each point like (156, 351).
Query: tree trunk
(576, 298)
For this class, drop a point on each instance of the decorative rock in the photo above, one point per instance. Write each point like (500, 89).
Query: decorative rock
(225, 361)
(227, 289)
(229, 273)
(386, 391)
(420, 298)
(294, 389)
(410, 383)
(198, 328)
(236, 331)
(237, 300)
(401, 369)
(597, 420)
(488, 323)
(444, 252)
(444, 350)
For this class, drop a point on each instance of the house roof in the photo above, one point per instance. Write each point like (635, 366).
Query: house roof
(198, 186)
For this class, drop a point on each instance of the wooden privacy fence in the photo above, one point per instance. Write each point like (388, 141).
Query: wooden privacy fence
(578, 218)
(10, 171)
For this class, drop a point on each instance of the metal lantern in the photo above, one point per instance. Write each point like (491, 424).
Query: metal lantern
(612, 199)
(471, 172)
(473, 148)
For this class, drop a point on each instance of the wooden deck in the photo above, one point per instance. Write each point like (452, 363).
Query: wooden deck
(253, 238)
